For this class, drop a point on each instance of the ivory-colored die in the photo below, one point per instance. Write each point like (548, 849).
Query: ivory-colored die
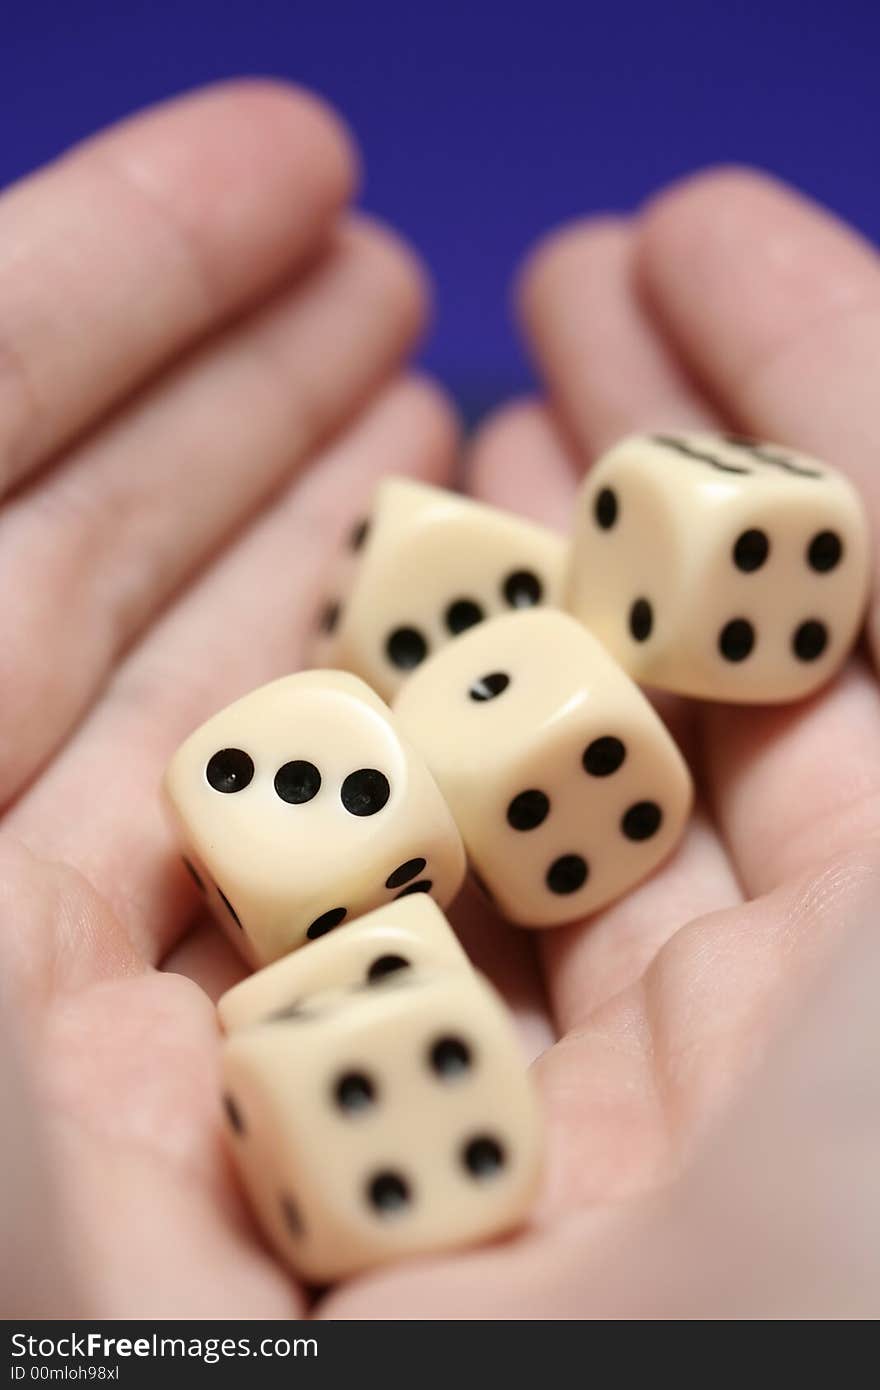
(300, 807)
(409, 934)
(563, 781)
(422, 567)
(395, 1121)
(719, 567)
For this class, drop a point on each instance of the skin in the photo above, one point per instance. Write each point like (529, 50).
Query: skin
(191, 433)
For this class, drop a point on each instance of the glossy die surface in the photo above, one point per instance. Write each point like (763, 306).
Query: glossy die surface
(411, 933)
(398, 1120)
(423, 567)
(720, 568)
(298, 808)
(565, 784)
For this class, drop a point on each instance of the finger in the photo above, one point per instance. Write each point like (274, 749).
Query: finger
(791, 785)
(607, 370)
(247, 620)
(776, 306)
(119, 256)
(109, 536)
(37, 1272)
(588, 962)
(206, 957)
(773, 301)
(509, 958)
(519, 454)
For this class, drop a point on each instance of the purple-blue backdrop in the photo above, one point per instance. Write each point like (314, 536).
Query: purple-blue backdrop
(484, 124)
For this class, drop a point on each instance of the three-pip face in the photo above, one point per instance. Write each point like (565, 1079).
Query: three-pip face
(299, 808)
(424, 567)
(719, 567)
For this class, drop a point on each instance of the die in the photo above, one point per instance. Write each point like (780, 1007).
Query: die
(720, 568)
(409, 933)
(398, 1120)
(566, 786)
(300, 807)
(423, 567)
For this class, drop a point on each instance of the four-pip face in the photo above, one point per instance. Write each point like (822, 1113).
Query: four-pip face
(399, 1119)
(424, 567)
(564, 783)
(719, 567)
(300, 807)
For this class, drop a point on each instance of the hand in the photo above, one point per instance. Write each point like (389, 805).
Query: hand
(198, 351)
(661, 1012)
(709, 1157)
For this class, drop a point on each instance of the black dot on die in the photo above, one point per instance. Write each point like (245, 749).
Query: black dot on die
(449, 1058)
(365, 792)
(359, 533)
(825, 551)
(641, 620)
(230, 770)
(326, 922)
(194, 874)
(751, 550)
(605, 508)
(297, 782)
(388, 1194)
(462, 614)
(567, 874)
(522, 589)
(290, 1013)
(810, 640)
(489, 687)
(292, 1218)
(354, 1092)
(230, 909)
(483, 1157)
(233, 1115)
(736, 640)
(405, 872)
(528, 810)
(328, 619)
(604, 756)
(406, 648)
(383, 966)
(642, 821)
(424, 885)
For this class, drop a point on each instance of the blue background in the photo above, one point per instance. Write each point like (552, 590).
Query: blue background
(485, 124)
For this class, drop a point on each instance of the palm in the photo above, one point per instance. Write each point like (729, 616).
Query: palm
(647, 1017)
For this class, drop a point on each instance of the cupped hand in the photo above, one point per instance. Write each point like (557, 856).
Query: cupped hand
(196, 374)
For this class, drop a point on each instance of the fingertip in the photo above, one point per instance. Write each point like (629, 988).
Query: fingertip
(264, 118)
(396, 269)
(305, 117)
(566, 251)
(431, 404)
(519, 461)
(724, 204)
(493, 437)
